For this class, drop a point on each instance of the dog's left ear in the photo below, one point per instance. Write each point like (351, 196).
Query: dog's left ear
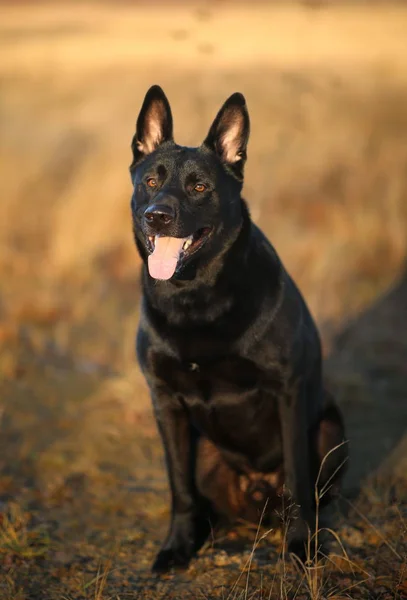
(154, 124)
(229, 133)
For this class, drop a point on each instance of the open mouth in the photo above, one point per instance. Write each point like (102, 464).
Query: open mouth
(168, 253)
(190, 244)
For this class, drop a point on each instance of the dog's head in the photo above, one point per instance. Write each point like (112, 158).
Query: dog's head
(186, 202)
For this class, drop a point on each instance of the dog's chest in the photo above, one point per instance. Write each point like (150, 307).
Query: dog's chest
(207, 379)
(225, 398)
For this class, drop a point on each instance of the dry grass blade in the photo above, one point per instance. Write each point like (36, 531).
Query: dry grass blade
(313, 570)
(100, 580)
(319, 494)
(249, 561)
(326, 487)
(18, 538)
(377, 532)
(255, 544)
(345, 555)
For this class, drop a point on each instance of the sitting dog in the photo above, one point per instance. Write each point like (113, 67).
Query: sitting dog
(226, 342)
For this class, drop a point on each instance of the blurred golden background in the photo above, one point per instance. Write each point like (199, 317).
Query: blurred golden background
(326, 87)
(326, 178)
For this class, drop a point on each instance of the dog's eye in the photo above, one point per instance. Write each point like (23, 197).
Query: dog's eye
(151, 182)
(200, 187)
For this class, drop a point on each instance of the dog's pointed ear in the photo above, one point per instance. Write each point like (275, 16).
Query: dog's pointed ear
(229, 133)
(154, 124)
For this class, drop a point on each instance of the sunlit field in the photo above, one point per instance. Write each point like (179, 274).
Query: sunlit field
(83, 491)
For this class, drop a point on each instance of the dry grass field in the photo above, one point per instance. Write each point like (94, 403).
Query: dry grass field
(83, 492)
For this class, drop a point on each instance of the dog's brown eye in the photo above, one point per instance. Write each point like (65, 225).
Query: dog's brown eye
(151, 182)
(200, 187)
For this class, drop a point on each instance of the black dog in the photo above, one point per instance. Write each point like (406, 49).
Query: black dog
(226, 342)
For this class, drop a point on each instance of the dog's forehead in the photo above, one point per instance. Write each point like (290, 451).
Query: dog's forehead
(184, 161)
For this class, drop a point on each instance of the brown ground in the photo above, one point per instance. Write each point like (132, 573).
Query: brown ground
(83, 492)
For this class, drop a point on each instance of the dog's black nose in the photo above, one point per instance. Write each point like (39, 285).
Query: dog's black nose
(159, 214)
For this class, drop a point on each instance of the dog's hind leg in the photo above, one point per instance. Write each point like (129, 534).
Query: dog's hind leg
(232, 494)
(218, 482)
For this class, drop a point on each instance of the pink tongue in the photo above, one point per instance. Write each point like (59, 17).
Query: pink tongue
(163, 261)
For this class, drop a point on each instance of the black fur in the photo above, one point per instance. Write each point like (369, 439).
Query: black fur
(227, 345)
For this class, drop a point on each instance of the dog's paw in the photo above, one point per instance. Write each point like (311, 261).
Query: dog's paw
(298, 545)
(171, 558)
(187, 535)
(298, 536)
(307, 547)
(179, 546)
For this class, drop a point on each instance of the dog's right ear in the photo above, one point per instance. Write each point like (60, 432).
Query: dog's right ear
(154, 124)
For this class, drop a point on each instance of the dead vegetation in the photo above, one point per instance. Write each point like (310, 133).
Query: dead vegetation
(83, 495)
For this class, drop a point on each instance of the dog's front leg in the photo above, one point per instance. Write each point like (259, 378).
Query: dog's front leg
(294, 425)
(186, 529)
